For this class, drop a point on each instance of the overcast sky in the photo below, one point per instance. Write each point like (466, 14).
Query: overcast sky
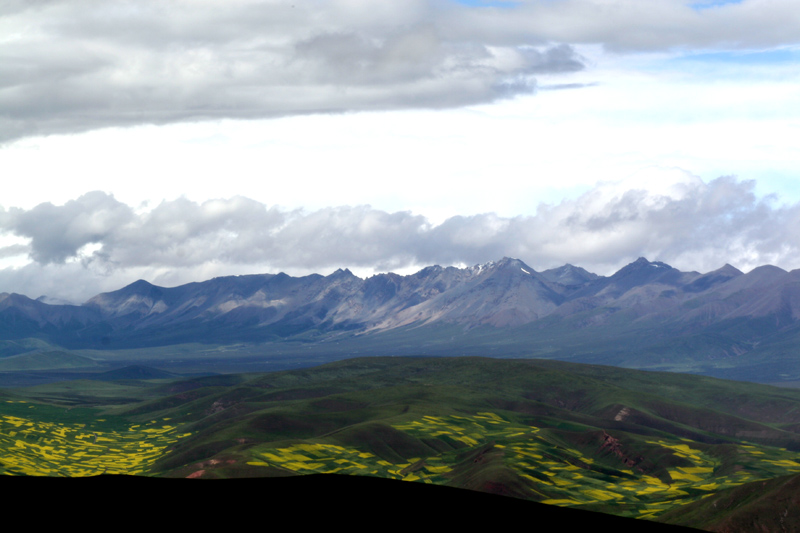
(179, 140)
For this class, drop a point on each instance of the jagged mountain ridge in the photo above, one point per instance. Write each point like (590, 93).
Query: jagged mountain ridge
(507, 292)
(502, 294)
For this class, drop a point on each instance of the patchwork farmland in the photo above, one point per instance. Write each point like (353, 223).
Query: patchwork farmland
(34, 443)
(628, 443)
(555, 474)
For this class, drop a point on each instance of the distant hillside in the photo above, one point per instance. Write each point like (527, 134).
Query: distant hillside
(45, 361)
(646, 315)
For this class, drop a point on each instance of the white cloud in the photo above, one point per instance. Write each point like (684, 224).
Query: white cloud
(668, 215)
(459, 160)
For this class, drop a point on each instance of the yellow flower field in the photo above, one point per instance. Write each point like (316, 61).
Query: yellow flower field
(35, 447)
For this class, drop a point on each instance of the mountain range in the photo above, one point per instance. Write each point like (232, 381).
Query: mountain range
(646, 315)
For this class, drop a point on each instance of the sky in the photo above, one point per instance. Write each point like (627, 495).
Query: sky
(179, 140)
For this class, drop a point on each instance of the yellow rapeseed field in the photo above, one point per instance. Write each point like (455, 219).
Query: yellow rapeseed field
(33, 447)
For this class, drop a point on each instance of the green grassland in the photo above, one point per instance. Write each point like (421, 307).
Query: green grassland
(624, 442)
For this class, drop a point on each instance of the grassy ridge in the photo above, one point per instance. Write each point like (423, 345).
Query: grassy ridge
(767, 505)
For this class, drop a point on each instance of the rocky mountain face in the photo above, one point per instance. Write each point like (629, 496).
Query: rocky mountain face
(505, 294)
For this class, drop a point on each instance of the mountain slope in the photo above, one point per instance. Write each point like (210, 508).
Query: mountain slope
(647, 315)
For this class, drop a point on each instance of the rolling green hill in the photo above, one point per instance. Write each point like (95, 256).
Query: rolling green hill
(629, 443)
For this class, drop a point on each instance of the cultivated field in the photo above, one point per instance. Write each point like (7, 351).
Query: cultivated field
(623, 442)
(556, 474)
(36, 441)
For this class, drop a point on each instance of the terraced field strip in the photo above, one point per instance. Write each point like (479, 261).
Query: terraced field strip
(33, 446)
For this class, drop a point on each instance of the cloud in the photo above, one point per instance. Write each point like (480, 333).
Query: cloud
(74, 66)
(57, 233)
(631, 26)
(662, 214)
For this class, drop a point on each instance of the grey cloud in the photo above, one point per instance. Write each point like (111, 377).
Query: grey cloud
(696, 226)
(58, 232)
(14, 250)
(396, 59)
(75, 66)
(561, 58)
(70, 66)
